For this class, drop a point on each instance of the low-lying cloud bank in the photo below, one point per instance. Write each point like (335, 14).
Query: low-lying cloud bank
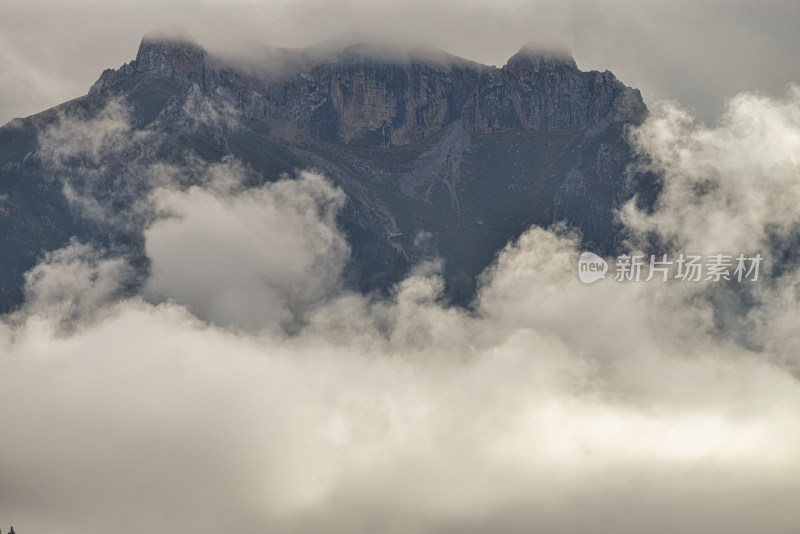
(553, 406)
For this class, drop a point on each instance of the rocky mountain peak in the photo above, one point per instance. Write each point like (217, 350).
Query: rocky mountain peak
(170, 55)
(535, 57)
(374, 92)
(176, 56)
(541, 88)
(485, 151)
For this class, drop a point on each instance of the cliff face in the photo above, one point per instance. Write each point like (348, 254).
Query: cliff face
(420, 141)
(182, 61)
(370, 96)
(541, 90)
(360, 101)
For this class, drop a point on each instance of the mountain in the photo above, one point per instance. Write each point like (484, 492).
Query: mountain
(422, 142)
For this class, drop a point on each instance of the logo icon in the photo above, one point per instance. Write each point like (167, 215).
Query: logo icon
(591, 267)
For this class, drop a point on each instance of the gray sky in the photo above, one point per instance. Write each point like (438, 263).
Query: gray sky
(699, 52)
(556, 406)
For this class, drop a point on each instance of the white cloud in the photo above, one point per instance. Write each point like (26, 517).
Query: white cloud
(71, 283)
(252, 258)
(552, 405)
(88, 141)
(731, 184)
(427, 419)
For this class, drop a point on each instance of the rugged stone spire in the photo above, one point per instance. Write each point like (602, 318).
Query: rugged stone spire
(532, 58)
(544, 89)
(180, 58)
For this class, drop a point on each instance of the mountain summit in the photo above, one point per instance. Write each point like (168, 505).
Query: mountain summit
(383, 95)
(421, 141)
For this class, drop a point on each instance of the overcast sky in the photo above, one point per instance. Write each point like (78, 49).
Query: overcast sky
(698, 52)
(553, 406)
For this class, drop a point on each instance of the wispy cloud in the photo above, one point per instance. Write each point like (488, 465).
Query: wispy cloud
(551, 405)
(697, 52)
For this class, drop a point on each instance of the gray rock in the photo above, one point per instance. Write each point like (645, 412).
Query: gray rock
(363, 95)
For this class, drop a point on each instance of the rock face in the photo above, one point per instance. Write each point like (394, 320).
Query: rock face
(542, 90)
(181, 61)
(368, 95)
(422, 143)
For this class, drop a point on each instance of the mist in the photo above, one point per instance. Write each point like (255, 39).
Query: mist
(700, 53)
(244, 387)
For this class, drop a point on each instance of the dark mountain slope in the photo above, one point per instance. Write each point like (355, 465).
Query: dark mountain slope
(423, 143)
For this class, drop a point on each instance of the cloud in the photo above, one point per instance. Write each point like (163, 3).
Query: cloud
(247, 257)
(737, 180)
(422, 418)
(100, 162)
(732, 188)
(72, 283)
(89, 141)
(549, 405)
(697, 52)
